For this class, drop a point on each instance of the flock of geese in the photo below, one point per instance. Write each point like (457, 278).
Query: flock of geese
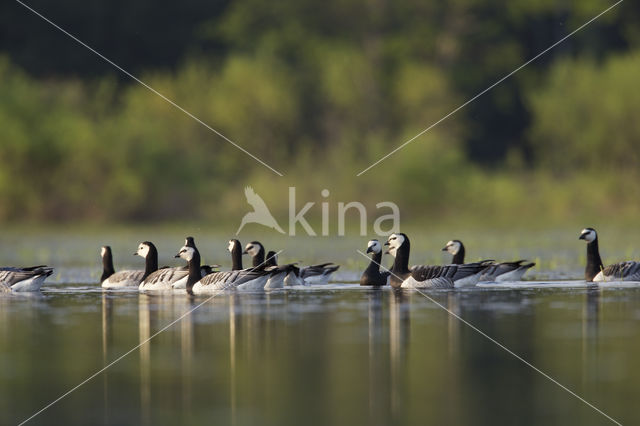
(265, 273)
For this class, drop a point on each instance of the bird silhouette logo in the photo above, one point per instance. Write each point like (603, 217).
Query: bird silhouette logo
(260, 213)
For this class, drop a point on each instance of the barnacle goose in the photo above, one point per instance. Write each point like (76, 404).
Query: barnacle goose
(126, 278)
(181, 283)
(422, 276)
(279, 273)
(372, 275)
(23, 279)
(623, 271)
(318, 274)
(293, 271)
(244, 279)
(497, 272)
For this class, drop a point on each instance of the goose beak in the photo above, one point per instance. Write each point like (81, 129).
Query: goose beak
(387, 243)
(369, 250)
(177, 255)
(135, 254)
(245, 252)
(444, 248)
(582, 236)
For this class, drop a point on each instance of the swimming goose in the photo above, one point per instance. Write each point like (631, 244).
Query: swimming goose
(422, 276)
(318, 274)
(372, 275)
(181, 283)
(23, 279)
(623, 271)
(126, 278)
(497, 272)
(293, 271)
(280, 274)
(244, 279)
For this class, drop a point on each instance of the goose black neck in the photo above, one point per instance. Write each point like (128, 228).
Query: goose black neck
(258, 259)
(195, 274)
(401, 263)
(271, 259)
(107, 265)
(236, 257)
(594, 262)
(151, 261)
(374, 266)
(458, 258)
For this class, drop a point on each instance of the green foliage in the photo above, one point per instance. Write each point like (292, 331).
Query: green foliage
(585, 117)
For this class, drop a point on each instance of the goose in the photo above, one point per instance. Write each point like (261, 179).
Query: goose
(497, 272)
(126, 278)
(293, 275)
(318, 274)
(623, 271)
(279, 273)
(243, 279)
(422, 276)
(181, 283)
(23, 279)
(372, 275)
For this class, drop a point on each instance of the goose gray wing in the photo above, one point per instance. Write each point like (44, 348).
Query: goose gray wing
(321, 269)
(166, 276)
(230, 279)
(430, 276)
(506, 270)
(624, 271)
(10, 275)
(122, 278)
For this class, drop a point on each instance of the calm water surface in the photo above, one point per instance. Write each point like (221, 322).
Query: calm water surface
(336, 354)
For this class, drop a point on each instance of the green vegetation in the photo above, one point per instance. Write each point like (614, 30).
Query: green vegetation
(319, 92)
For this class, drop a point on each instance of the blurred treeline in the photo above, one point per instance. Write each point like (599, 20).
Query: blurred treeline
(319, 90)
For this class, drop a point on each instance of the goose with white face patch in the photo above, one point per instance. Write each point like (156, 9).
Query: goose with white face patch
(181, 284)
(279, 273)
(244, 279)
(126, 278)
(372, 275)
(235, 248)
(496, 272)
(423, 276)
(23, 279)
(623, 271)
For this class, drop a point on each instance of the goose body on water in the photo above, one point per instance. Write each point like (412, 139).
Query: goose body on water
(318, 274)
(281, 275)
(423, 276)
(243, 279)
(496, 272)
(126, 278)
(23, 279)
(372, 275)
(595, 271)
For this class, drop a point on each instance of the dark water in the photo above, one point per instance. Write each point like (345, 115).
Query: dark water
(339, 355)
(336, 354)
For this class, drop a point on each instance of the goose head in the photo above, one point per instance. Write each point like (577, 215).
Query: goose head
(189, 242)
(143, 249)
(272, 258)
(186, 253)
(395, 241)
(588, 234)
(233, 245)
(373, 246)
(253, 248)
(453, 247)
(104, 250)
